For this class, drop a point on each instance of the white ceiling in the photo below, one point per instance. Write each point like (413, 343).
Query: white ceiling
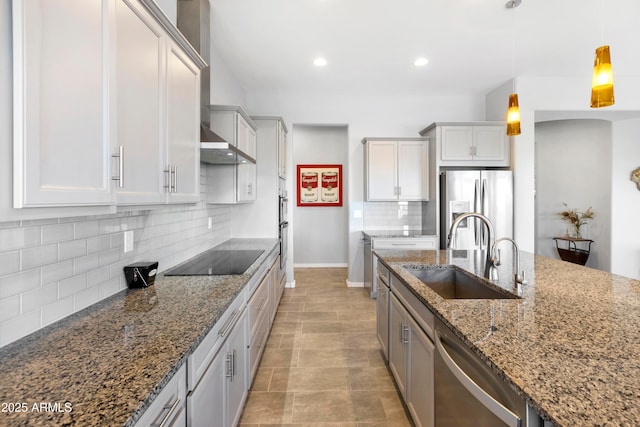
(370, 45)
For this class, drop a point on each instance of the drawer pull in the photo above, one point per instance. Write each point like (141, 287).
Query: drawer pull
(227, 326)
(171, 409)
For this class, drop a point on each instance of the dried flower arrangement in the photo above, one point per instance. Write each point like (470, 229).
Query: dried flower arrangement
(577, 218)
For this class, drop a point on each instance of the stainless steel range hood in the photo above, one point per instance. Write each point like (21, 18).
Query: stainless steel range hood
(215, 150)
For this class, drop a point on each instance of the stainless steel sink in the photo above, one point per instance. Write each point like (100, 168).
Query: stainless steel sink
(451, 283)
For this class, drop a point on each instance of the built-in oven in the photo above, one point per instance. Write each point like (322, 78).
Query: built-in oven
(283, 233)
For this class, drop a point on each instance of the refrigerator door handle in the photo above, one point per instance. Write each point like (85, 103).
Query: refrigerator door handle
(484, 208)
(477, 207)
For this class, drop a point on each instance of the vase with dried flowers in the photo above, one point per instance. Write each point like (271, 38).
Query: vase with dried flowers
(577, 218)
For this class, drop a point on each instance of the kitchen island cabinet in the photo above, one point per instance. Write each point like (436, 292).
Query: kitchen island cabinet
(110, 361)
(540, 343)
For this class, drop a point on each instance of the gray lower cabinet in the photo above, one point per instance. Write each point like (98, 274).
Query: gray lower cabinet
(411, 354)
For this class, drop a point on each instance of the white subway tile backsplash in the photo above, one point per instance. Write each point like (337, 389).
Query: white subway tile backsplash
(9, 307)
(57, 310)
(19, 238)
(86, 229)
(51, 268)
(39, 297)
(85, 298)
(57, 233)
(86, 263)
(38, 256)
(20, 326)
(9, 262)
(72, 249)
(54, 272)
(15, 284)
(72, 285)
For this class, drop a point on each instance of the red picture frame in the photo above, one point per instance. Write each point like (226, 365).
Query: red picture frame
(319, 185)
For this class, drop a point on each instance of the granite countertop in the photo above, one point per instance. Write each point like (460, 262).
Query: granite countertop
(394, 233)
(570, 346)
(109, 361)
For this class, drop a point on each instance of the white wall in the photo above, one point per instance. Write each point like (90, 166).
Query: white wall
(573, 166)
(225, 88)
(366, 116)
(556, 94)
(320, 234)
(625, 250)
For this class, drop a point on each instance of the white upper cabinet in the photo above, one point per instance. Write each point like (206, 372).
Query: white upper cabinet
(233, 183)
(474, 145)
(62, 148)
(140, 103)
(106, 98)
(183, 127)
(396, 169)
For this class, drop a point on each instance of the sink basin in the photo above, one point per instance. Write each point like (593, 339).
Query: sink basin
(451, 283)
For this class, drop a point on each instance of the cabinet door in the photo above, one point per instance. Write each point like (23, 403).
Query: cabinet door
(398, 331)
(382, 318)
(62, 148)
(412, 170)
(183, 127)
(246, 136)
(237, 383)
(457, 142)
(140, 103)
(246, 182)
(490, 143)
(282, 151)
(382, 171)
(207, 401)
(420, 393)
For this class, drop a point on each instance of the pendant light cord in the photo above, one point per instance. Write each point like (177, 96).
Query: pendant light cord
(513, 48)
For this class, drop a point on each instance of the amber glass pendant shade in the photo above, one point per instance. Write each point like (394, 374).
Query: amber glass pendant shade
(513, 116)
(602, 83)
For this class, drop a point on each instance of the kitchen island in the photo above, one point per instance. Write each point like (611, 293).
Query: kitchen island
(105, 365)
(570, 346)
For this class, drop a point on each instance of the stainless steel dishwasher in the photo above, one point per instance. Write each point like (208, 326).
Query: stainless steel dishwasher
(468, 393)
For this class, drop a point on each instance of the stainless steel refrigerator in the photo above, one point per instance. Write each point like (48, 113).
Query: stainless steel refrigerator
(489, 192)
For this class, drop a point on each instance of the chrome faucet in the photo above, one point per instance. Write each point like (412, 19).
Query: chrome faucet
(495, 259)
(489, 267)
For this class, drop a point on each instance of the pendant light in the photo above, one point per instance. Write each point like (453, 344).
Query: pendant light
(602, 82)
(513, 113)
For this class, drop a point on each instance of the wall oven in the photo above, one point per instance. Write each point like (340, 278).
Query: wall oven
(283, 233)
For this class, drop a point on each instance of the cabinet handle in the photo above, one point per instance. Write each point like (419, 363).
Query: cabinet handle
(229, 368)
(405, 334)
(174, 174)
(399, 190)
(170, 408)
(234, 356)
(264, 300)
(167, 181)
(120, 157)
(227, 326)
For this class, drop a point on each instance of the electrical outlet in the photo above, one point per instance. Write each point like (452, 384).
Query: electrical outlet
(357, 213)
(210, 225)
(128, 241)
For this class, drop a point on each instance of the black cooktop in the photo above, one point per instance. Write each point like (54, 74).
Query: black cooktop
(217, 262)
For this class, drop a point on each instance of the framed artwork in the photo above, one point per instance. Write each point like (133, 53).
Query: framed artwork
(319, 185)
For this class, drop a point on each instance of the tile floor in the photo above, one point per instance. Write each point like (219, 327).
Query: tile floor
(322, 366)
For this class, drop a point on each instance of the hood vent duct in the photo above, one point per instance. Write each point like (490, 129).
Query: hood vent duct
(215, 150)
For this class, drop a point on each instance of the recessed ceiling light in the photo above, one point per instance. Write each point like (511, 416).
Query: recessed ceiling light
(421, 62)
(319, 62)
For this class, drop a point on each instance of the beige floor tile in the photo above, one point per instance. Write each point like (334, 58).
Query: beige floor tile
(321, 341)
(370, 378)
(336, 406)
(309, 379)
(268, 408)
(279, 357)
(341, 357)
(356, 315)
(336, 306)
(284, 327)
(312, 316)
(331, 327)
(262, 379)
(360, 340)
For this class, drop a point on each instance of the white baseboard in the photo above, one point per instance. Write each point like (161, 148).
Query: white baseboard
(351, 284)
(330, 265)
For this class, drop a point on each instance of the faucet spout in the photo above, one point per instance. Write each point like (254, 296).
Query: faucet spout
(495, 259)
(488, 265)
